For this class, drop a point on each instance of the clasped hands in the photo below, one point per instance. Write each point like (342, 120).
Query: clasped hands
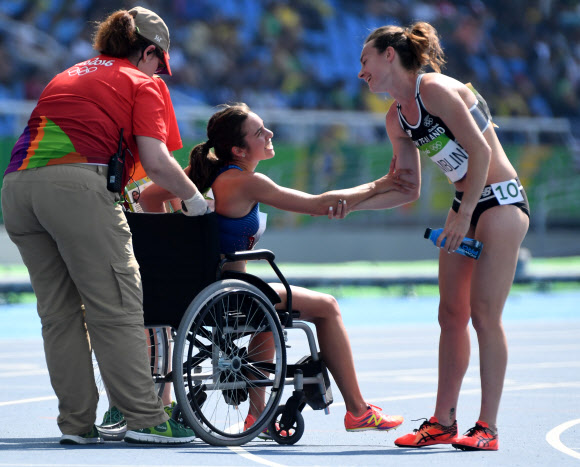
(394, 180)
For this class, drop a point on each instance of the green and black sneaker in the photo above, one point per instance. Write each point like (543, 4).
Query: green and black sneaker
(114, 425)
(169, 432)
(92, 437)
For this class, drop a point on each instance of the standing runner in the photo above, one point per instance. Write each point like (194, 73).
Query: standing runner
(448, 122)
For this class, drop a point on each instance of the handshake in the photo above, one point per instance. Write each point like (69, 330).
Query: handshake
(197, 205)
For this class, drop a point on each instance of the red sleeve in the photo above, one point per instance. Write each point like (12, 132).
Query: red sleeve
(173, 142)
(160, 123)
(149, 112)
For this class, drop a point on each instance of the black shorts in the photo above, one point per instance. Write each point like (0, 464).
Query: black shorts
(489, 200)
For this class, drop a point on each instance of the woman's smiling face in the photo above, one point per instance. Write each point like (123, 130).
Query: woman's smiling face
(373, 67)
(258, 139)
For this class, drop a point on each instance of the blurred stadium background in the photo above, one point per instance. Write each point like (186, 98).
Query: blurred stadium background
(295, 62)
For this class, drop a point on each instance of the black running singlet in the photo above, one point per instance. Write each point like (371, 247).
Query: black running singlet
(435, 140)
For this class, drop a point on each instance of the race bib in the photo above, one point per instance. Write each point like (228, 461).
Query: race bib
(507, 192)
(448, 155)
(263, 217)
(262, 228)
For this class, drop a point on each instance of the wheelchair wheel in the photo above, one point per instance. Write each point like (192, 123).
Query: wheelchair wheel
(158, 345)
(221, 347)
(283, 434)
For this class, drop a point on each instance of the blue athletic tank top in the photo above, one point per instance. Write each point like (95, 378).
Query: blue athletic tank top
(238, 234)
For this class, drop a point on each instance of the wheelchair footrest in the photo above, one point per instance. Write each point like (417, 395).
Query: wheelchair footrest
(317, 396)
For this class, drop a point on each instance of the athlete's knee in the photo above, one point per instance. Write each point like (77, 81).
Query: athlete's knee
(453, 316)
(328, 308)
(331, 307)
(486, 313)
(485, 319)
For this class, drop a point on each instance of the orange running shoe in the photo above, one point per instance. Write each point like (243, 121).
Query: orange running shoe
(265, 434)
(429, 433)
(478, 438)
(372, 419)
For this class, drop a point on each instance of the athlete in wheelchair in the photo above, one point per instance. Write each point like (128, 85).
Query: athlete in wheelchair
(230, 342)
(216, 365)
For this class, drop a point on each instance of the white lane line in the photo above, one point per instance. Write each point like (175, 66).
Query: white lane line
(543, 365)
(21, 355)
(407, 354)
(18, 368)
(247, 455)
(426, 395)
(18, 374)
(373, 375)
(553, 438)
(535, 386)
(101, 465)
(252, 457)
(26, 401)
(523, 387)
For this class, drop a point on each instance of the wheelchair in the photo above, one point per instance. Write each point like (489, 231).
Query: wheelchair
(229, 342)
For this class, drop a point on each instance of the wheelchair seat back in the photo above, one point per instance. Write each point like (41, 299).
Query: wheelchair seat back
(178, 256)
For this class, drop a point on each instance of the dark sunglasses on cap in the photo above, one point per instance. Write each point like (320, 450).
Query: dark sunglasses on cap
(163, 65)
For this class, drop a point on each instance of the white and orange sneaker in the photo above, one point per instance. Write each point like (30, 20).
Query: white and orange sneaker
(372, 419)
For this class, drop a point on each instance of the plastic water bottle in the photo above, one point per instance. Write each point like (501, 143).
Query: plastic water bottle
(468, 247)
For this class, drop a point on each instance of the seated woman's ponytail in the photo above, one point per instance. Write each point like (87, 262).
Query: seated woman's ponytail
(203, 166)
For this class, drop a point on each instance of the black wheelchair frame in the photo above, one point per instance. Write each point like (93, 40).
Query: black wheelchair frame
(220, 322)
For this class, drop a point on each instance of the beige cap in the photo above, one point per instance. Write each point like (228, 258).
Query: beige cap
(150, 26)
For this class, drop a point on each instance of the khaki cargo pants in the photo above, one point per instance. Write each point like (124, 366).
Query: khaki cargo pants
(77, 247)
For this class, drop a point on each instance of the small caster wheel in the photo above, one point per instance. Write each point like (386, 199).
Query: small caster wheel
(284, 434)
